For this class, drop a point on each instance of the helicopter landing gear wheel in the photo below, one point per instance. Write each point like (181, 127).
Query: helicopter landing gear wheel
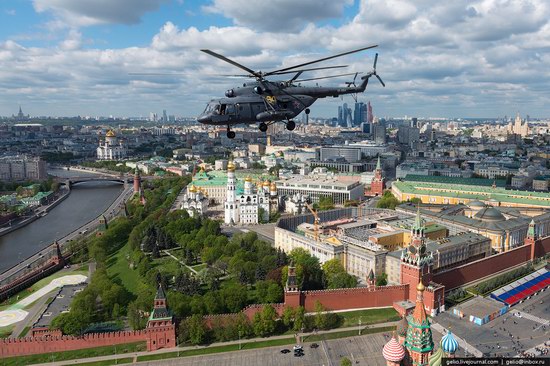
(230, 134)
(307, 111)
(263, 127)
(290, 125)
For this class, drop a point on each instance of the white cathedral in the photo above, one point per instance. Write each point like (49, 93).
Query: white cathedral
(195, 201)
(111, 148)
(246, 208)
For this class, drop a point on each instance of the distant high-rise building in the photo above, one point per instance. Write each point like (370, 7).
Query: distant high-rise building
(414, 122)
(519, 128)
(379, 133)
(358, 113)
(370, 116)
(164, 116)
(340, 116)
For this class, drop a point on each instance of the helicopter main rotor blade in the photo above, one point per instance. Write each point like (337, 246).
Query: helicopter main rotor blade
(319, 60)
(234, 63)
(311, 69)
(328, 77)
(380, 80)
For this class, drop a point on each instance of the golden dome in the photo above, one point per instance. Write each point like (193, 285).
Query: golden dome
(420, 286)
(230, 166)
(273, 186)
(266, 183)
(193, 189)
(248, 179)
(110, 133)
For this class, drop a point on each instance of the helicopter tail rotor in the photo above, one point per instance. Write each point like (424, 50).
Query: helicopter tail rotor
(374, 70)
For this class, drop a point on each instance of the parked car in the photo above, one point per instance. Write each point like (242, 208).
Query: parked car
(285, 351)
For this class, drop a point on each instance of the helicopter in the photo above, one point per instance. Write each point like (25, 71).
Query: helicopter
(267, 102)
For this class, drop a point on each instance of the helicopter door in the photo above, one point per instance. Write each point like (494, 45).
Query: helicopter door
(243, 111)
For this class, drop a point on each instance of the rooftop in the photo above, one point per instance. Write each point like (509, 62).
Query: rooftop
(480, 193)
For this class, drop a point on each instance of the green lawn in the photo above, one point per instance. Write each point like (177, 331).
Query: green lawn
(5, 332)
(167, 264)
(71, 355)
(118, 269)
(370, 316)
(75, 270)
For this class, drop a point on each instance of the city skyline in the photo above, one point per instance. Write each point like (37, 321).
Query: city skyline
(60, 58)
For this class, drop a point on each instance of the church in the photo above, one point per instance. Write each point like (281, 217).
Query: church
(252, 205)
(111, 148)
(195, 201)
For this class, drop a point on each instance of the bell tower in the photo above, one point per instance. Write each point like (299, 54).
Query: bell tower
(416, 262)
(292, 289)
(377, 184)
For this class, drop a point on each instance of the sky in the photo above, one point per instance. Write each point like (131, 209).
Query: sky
(484, 58)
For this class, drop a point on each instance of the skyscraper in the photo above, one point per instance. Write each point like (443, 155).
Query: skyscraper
(358, 113)
(370, 116)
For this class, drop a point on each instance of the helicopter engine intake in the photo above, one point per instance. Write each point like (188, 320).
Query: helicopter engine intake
(258, 90)
(230, 93)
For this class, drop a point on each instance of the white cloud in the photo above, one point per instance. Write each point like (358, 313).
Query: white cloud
(91, 12)
(436, 59)
(282, 16)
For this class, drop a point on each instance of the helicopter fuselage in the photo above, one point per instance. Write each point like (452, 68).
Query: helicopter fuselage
(258, 102)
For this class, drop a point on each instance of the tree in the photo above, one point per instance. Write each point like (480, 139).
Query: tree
(326, 203)
(265, 322)
(299, 318)
(320, 316)
(388, 200)
(288, 316)
(197, 329)
(336, 276)
(382, 279)
(344, 361)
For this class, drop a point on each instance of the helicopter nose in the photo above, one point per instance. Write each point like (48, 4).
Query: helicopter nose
(203, 118)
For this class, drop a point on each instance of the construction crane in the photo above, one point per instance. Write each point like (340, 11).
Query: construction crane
(316, 222)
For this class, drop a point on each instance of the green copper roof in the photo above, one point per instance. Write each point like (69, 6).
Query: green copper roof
(378, 166)
(455, 180)
(475, 193)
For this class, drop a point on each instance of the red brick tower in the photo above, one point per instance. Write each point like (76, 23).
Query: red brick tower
(292, 289)
(377, 184)
(416, 262)
(161, 329)
(531, 238)
(137, 181)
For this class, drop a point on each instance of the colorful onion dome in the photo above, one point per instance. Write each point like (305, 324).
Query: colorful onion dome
(402, 327)
(436, 358)
(273, 186)
(266, 183)
(449, 343)
(193, 189)
(393, 351)
(420, 286)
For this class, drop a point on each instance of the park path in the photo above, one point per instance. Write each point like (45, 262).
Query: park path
(180, 261)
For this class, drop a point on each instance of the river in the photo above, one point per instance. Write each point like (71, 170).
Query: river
(86, 202)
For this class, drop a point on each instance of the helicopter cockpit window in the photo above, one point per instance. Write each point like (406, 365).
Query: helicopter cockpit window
(230, 109)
